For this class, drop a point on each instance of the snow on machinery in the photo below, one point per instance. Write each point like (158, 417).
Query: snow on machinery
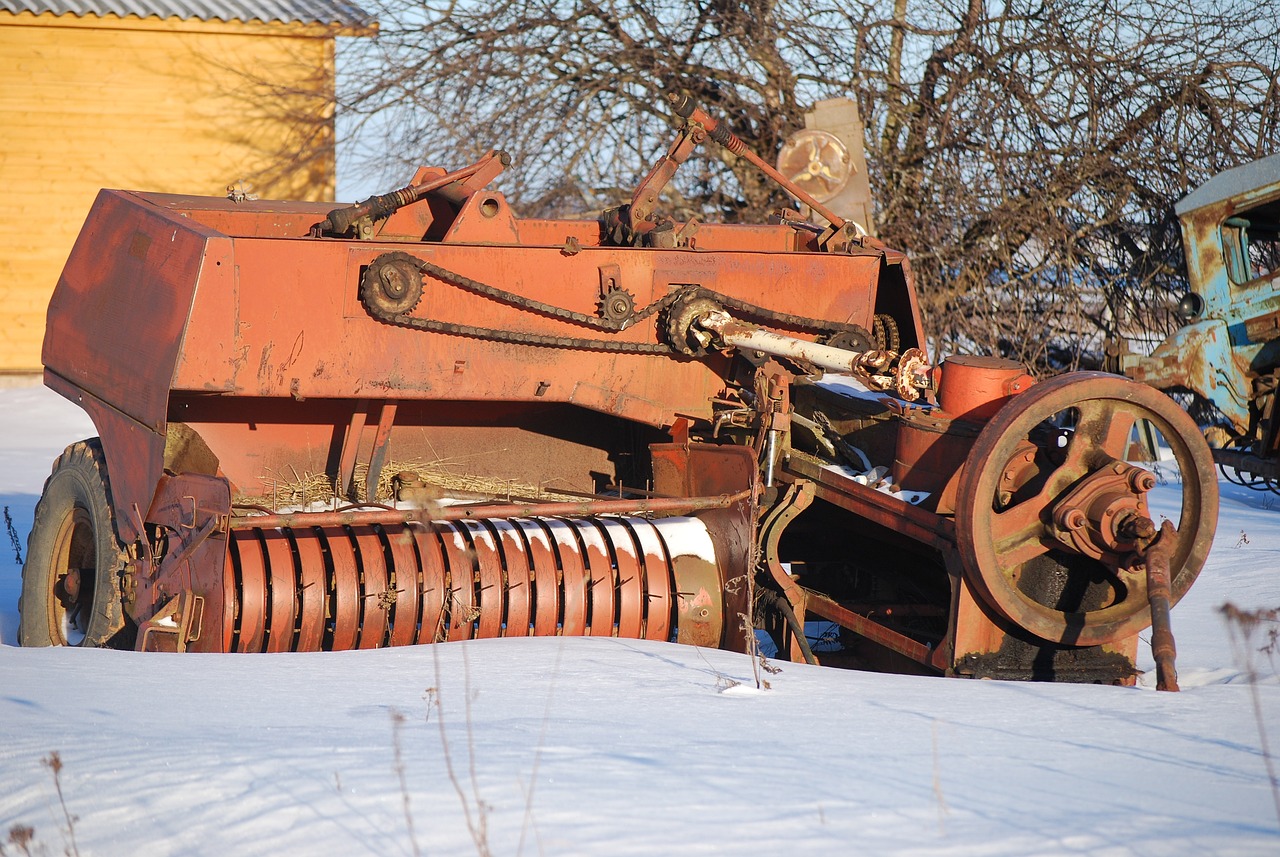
(639, 406)
(1229, 351)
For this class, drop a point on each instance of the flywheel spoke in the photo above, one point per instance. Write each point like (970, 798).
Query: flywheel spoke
(1104, 426)
(1018, 535)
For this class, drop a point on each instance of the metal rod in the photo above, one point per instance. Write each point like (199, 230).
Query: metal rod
(1158, 596)
(657, 505)
(826, 608)
(719, 131)
(793, 622)
(770, 456)
(340, 219)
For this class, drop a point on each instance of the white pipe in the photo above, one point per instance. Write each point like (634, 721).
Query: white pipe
(749, 338)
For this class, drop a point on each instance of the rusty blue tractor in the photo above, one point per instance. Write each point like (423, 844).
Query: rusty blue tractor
(1229, 350)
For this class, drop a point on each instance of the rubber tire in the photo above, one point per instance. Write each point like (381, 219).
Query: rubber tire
(73, 519)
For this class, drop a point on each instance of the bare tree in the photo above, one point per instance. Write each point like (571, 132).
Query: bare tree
(1026, 154)
(1033, 174)
(573, 90)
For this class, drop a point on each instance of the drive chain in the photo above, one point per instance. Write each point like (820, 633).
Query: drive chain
(602, 324)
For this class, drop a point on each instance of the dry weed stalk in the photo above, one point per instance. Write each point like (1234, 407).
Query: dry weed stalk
(477, 826)
(13, 536)
(54, 763)
(20, 836)
(1242, 625)
(397, 723)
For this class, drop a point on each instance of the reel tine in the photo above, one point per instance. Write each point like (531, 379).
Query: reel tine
(282, 591)
(573, 577)
(434, 582)
(515, 557)
(658, 579)
(460, 598)
(546, 584)
(252, 586)
(600, 581)
(344, 608)
(311, 591)
(491, 584)
(631, 600)
(405, 580)
(374, 604)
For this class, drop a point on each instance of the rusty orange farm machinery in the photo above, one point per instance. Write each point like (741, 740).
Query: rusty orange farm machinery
(422, 418)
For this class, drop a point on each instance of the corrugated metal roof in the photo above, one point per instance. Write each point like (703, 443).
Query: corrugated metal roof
(304, 11)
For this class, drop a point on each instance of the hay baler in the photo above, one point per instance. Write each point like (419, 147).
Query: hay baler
(422, 418)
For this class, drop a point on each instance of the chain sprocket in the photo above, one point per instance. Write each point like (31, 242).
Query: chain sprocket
(617, 305)
(392, 284)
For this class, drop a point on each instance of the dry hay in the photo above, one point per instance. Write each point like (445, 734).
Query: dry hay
(441, 478)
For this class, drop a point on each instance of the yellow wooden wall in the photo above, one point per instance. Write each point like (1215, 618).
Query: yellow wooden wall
(175, 106)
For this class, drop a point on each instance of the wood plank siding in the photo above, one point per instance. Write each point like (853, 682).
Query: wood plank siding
(178, 106)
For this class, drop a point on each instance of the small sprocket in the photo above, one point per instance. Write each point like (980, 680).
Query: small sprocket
(617, 305)
(391, 285)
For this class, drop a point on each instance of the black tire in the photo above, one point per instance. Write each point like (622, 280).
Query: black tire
(71, 581)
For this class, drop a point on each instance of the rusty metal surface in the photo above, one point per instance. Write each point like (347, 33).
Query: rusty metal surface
(394, 308)
(693, 469)
(250, 594)
(312, 591)
(658, 582)
(404, 585)
(573, 577)
(271, 354)
(1230, 340)
(435, 587)
(375, 602)
(603, 576)
(545, 591)
(826, 608)
(138, 451)
(282, 587)
(841, 490)
(603, 579)
(301, 354)
(974, 388)
(519, 581)
(460, 596)
(1160, 599)
(1248, 465)
(489, 579)
(998, 540)
(343, 589)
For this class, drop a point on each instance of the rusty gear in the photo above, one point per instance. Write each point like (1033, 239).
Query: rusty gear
(679, 326)
(856, 339)
(392, 284)
(617, 305)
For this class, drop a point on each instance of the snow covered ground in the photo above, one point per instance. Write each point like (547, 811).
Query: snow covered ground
(597, 746)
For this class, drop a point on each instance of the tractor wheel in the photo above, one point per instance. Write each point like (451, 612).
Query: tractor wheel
(71, 580)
